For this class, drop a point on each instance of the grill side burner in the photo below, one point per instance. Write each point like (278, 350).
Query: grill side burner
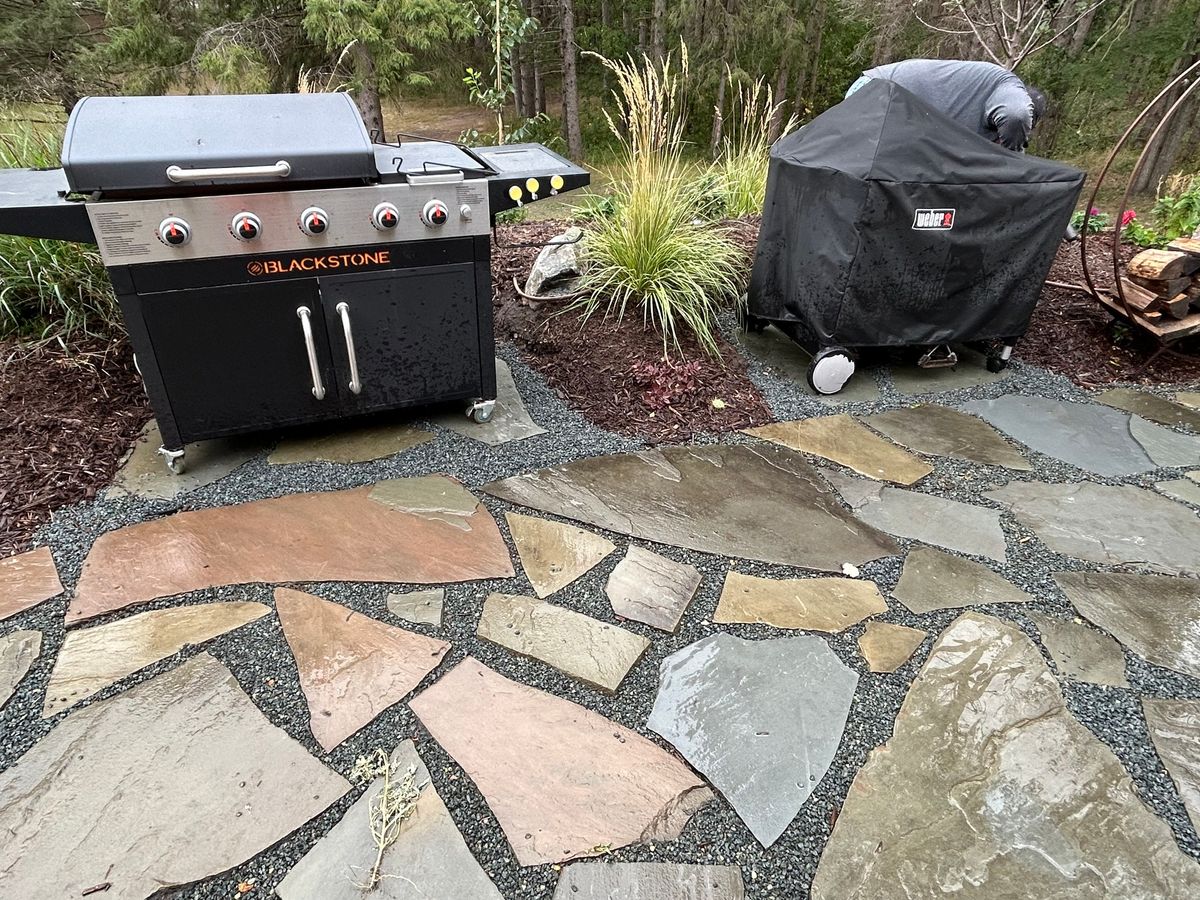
(293, 274)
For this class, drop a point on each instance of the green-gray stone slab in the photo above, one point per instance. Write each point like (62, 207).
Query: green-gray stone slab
(1114, 525)
(145, 474)
(1183, 489)
(1151, 406)
(933, 580)
(990, 789)
(428, 859)
(761, 720)
(510, 420)
(941, 431)
(761, 502)
(350, 445)
(18, 651)
(971, 371)
(1175, 731)
(777, 351)
(421, 607)
(1081, 653)
(649, 881)
(923, 517)
(1157, 618)
(1168, 449)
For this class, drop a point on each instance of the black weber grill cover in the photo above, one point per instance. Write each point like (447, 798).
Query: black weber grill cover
(886, 223)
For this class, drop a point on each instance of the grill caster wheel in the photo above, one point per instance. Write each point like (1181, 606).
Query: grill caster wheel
(748, 323)
(175, 459)
(830, 370)
(480, 411)
(996, 364)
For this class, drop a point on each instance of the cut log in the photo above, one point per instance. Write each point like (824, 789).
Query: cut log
(1160, 288)
(1178, 306)
(1165, 331)
(1191, 246)
(1139, 298)
(1163, 265)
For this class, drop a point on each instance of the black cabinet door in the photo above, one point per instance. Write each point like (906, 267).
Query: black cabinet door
(414, 333)
(235, 358)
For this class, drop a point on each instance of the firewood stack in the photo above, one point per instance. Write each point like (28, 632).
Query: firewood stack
(1162, 289)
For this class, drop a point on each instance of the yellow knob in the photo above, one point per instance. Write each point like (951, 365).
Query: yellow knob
(515, 192)
(556, 182)
(532, 185)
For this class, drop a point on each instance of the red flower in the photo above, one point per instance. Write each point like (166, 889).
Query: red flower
(1128, 216)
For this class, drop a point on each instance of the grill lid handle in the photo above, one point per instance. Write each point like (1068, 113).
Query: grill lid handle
(281, 169)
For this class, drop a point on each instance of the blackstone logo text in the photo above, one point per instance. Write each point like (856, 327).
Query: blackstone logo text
(320, 263)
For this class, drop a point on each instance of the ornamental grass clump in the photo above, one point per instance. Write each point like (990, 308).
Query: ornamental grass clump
(656, 251)
(740, 170)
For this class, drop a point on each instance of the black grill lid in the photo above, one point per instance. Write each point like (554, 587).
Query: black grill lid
(121, 145)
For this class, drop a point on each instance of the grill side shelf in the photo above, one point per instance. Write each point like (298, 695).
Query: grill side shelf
(33, 204)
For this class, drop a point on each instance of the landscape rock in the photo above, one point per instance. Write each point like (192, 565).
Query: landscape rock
(1151, 406)
(942, 431)
(352, 667)
(933, 580)
(93, 658)
(841, 439)
(510, 419)
(18, 651)
(651, 589)
(761, 720)
(990, 788)
(173, 781)
(649, 881)
(1157, 618)
(1175, 731)
(924, 517)
(558, 260)
(361, 534)
(429, 858)
(1185, 490)
(26, 580)
(563, 781)
(350, 445)
(1166, 448)
(971, 371)
(1114, 525)
(419, 607)
(886, 647)
(143, 473)
(811, 604)
(787, 359)
(554, 554)
(755, 502)
(1081, 653)
(594, 652)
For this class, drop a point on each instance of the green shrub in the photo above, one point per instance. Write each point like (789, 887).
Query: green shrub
(1177, 209)
(48, 289)
(740, 171)
(1096, 222)
(655, 251)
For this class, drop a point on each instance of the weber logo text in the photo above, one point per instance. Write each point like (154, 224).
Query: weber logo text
(934, 219)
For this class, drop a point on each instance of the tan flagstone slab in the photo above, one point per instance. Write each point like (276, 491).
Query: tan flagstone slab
(350, 445)
(886, 647)
(563, 781)
(1190, 399)
(428, 860)
(1080, 652)
(934, 580)
(327, 536)
(1156, 617)
(843, 440)
(26, 580)
(1151, 406)
(990, 788)
(1185, 490)
(420, 607)
(173, 781)
(18, 651)
(144, 473)
(761, 502)
(1175, 732)
(352, 667)
(651, 589)
(594, 652)
(649, 881)
(1167, 448)
(510, 420)
(553, 554)
(942, 431)
(93, 658)
(812, 604)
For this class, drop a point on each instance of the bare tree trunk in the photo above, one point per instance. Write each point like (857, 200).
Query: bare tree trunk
(1082, 28)
(821, 12)
(570, 82)
(780, 98)
(367, 97)
(606, 14)
(714, 144)
(657, 27)
(1162, 157)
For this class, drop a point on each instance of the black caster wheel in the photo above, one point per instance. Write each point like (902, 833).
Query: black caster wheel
(830, 370)
(996, 364)
(749, 323)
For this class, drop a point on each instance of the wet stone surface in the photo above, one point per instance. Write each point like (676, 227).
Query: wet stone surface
(349, 445)
(510, 420)
(1080, 652)
(810, 604)
(649, 881)
(970, 372)
(1175, 730)
(651, 589)
(418, 607)
(144, 473)
(1151, 406)
(26, 580)
(887, 647)
(933, 580)
(554, 554)
(18, 651)
(942, 431)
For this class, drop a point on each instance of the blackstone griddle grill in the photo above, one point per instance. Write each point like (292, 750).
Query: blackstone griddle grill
(276, 264)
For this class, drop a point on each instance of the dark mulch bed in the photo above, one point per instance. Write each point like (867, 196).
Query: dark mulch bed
(68, 418)
(616, 373)
(1072, 334)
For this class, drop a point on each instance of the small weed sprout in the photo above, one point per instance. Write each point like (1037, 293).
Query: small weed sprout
(395, 802)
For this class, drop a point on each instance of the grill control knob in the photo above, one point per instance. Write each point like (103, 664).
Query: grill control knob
(174, 231)
(385, 216)
(434, 214)
(246, 226)
(314, 221)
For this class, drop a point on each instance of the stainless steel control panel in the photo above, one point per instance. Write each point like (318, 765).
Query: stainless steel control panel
(129, 232)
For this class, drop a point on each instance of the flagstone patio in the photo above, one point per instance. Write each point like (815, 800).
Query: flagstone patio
(938, 636)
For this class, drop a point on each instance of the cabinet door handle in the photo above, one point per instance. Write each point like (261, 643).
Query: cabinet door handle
(318, 386)
(343, 310)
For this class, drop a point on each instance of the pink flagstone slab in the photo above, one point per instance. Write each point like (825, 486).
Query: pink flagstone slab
(352, 667)
(563, 781)
(26, 580)
(395, 531)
